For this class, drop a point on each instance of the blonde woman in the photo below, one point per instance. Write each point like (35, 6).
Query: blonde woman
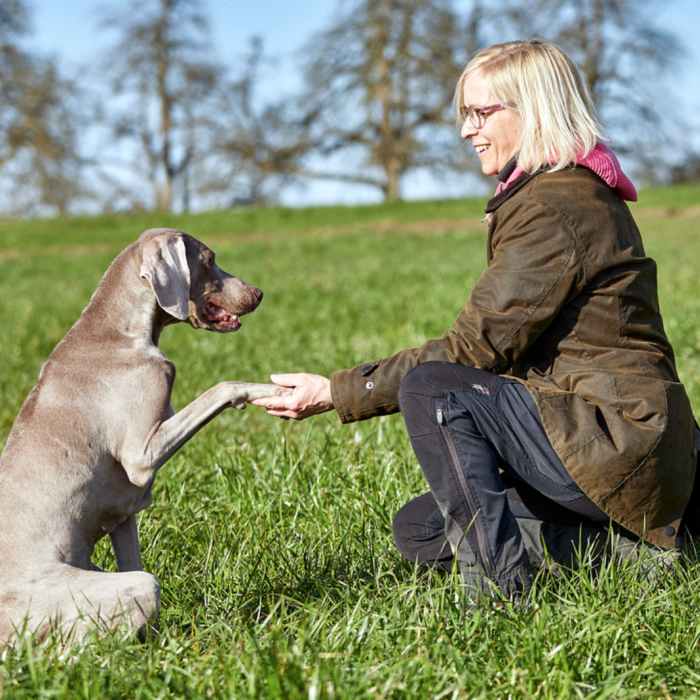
(553, 406)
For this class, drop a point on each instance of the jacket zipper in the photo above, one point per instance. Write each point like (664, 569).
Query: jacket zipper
(457, 465)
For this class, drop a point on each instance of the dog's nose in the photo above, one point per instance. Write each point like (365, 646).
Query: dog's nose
(257, 293)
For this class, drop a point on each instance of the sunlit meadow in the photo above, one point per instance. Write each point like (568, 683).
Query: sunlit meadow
(272, 540)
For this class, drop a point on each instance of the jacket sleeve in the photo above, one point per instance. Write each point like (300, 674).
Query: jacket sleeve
(536, 266)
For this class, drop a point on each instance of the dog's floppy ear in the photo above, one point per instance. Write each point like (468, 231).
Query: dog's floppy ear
(165, 267)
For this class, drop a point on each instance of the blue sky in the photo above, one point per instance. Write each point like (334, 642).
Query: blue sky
(68, 28)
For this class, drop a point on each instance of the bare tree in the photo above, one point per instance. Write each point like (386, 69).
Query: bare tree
(254, 147)
(619, 47)
(39, 156)
(687, 171)
(380, 81)
(161, 66)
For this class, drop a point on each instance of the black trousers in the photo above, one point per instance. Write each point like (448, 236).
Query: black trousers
(490, 467)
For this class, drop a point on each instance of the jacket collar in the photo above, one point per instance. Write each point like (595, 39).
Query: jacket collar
(508, 169)
(601, 160)
(514, 186)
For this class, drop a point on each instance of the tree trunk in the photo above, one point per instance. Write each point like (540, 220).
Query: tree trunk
(393, 181)
(165, 200)
(387, 146)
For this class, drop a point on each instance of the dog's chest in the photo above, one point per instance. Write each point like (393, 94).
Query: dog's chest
(103, 514)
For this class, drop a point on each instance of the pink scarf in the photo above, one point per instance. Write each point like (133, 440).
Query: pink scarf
(602, 161)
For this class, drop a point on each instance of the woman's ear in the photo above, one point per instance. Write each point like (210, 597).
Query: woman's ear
(164, 265)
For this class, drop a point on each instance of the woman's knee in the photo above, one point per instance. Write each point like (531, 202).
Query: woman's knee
(431, 380)
(427, 379)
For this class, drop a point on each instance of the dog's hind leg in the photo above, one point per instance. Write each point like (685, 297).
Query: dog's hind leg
(105, 601)
(74, 602)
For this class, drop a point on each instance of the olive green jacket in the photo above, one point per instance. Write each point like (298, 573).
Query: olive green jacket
(568, 306)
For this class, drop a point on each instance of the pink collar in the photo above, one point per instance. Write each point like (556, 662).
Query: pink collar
(602, 161)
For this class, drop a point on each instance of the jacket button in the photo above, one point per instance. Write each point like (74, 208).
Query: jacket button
(670, 531)
(369, 385)
(694, 452)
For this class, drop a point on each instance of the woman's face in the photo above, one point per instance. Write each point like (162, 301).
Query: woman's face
(501, 136)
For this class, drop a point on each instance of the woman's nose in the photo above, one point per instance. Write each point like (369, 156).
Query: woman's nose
(467, 130)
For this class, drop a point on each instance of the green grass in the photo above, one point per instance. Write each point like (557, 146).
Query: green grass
(272, 540)
(118, 230)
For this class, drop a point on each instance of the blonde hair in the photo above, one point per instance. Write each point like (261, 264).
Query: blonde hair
(538, 81)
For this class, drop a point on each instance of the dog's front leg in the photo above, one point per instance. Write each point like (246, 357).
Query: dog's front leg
(125, 543)
(143, 454)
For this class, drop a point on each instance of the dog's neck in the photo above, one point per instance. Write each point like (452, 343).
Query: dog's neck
(161, 319)
(133, 312)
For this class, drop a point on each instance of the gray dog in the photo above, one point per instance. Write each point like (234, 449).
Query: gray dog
(84, 451)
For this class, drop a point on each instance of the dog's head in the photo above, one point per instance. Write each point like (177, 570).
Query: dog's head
(190, 286)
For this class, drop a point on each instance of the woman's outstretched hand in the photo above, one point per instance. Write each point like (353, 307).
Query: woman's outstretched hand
(311, 395)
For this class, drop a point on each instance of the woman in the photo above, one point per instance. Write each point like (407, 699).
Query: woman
(555, 396)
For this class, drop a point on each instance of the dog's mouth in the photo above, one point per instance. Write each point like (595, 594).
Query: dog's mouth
(221, 318)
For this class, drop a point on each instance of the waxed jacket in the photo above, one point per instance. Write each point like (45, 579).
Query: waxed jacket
(568, 306)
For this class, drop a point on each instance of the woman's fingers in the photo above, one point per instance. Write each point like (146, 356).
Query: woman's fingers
(311, 395)
(293, 379)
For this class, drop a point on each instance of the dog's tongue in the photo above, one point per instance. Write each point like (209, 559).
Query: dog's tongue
(220, 316)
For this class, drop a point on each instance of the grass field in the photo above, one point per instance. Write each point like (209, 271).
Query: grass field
(272, 540)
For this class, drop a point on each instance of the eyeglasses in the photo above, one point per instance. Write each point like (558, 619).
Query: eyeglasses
(477, 115)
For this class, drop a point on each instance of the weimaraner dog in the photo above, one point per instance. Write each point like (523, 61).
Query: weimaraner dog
(84, 451)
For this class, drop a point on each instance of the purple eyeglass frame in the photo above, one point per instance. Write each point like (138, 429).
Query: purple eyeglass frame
(480, 112)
